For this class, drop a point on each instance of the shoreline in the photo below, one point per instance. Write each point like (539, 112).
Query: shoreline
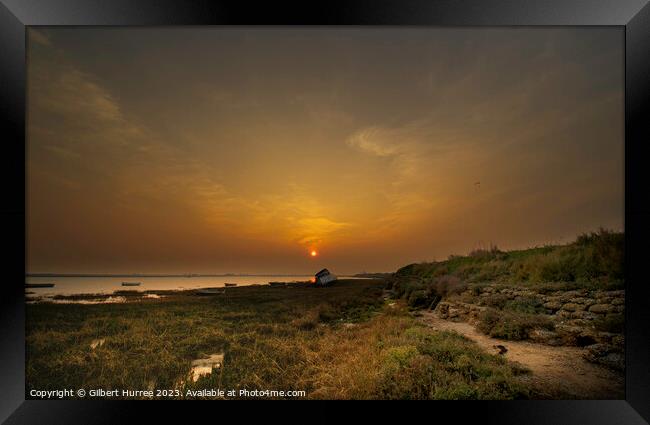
(104, 288)
(134, 295)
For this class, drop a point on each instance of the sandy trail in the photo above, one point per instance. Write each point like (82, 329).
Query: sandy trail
(557, 372)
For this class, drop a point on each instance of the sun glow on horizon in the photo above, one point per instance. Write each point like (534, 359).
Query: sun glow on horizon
(313, 253)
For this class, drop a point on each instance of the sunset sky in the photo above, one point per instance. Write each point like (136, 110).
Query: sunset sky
(243, 150)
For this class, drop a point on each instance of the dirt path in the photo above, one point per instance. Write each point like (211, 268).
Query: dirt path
(557, 372)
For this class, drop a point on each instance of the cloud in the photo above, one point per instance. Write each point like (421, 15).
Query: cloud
(63, 152)
(76, 124)
(375, 141)
(38, 37)
(65, 91)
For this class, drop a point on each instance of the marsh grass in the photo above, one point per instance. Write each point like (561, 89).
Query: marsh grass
(396, 358)
(343, 341)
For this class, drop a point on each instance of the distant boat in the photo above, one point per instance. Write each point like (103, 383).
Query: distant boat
(131, 283)
(210, 291)
(278, 283)
(231, 284)
(39, 285)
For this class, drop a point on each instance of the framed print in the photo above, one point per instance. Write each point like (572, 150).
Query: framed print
(425, 201)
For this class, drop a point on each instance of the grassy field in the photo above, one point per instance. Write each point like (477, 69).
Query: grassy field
(345, 341)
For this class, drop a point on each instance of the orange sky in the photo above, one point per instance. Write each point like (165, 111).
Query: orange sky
(242, 150)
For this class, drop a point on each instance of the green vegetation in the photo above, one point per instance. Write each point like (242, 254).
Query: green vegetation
(343, 341)
(509, 325)
(445, 365)
(593, 261)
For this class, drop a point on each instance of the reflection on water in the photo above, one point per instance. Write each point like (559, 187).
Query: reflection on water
(97, 343)
(204, 367)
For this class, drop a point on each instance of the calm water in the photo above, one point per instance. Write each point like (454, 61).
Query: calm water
(108, 285)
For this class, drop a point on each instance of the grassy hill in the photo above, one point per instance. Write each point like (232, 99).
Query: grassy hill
(592, 261)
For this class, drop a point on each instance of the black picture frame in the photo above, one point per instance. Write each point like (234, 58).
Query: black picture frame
(633, 15)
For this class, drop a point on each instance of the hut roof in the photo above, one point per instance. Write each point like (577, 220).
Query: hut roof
(322, 272)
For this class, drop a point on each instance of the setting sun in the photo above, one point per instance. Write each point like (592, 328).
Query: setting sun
(313, 253)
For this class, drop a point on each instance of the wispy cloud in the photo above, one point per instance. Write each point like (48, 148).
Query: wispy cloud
(38, 37)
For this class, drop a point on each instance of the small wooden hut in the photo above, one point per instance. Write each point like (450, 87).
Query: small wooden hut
(324, 278)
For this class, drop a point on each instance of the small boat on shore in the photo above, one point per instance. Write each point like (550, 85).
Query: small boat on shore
(210, 291)
(231, 284)
(131, 283)
(39, 285)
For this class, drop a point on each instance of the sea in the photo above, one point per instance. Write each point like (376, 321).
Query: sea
(75, 285)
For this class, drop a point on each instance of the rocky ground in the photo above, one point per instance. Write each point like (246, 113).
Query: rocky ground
(558, 372)
(590, 320)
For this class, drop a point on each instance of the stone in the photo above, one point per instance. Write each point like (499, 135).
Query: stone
(543, 336)
(618, 301)
(583, 301)
(605, 337)
(552, 305)
(568, 333)
(601, 308)
(442, 310)
(606, 355)
(453, 312)
(563, 314)
(575, 293)
(577, 322)
(573, 307)
(584, 315)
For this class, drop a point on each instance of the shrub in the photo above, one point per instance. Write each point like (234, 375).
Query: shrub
(497, 301)
(558, 267)
(399, 357)
(446, 365)
(418, 298)
(448, 285)
(476, 290)
(530, 305)
(327, 313)
(491, 252)
(511, 326)
(405, 289)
